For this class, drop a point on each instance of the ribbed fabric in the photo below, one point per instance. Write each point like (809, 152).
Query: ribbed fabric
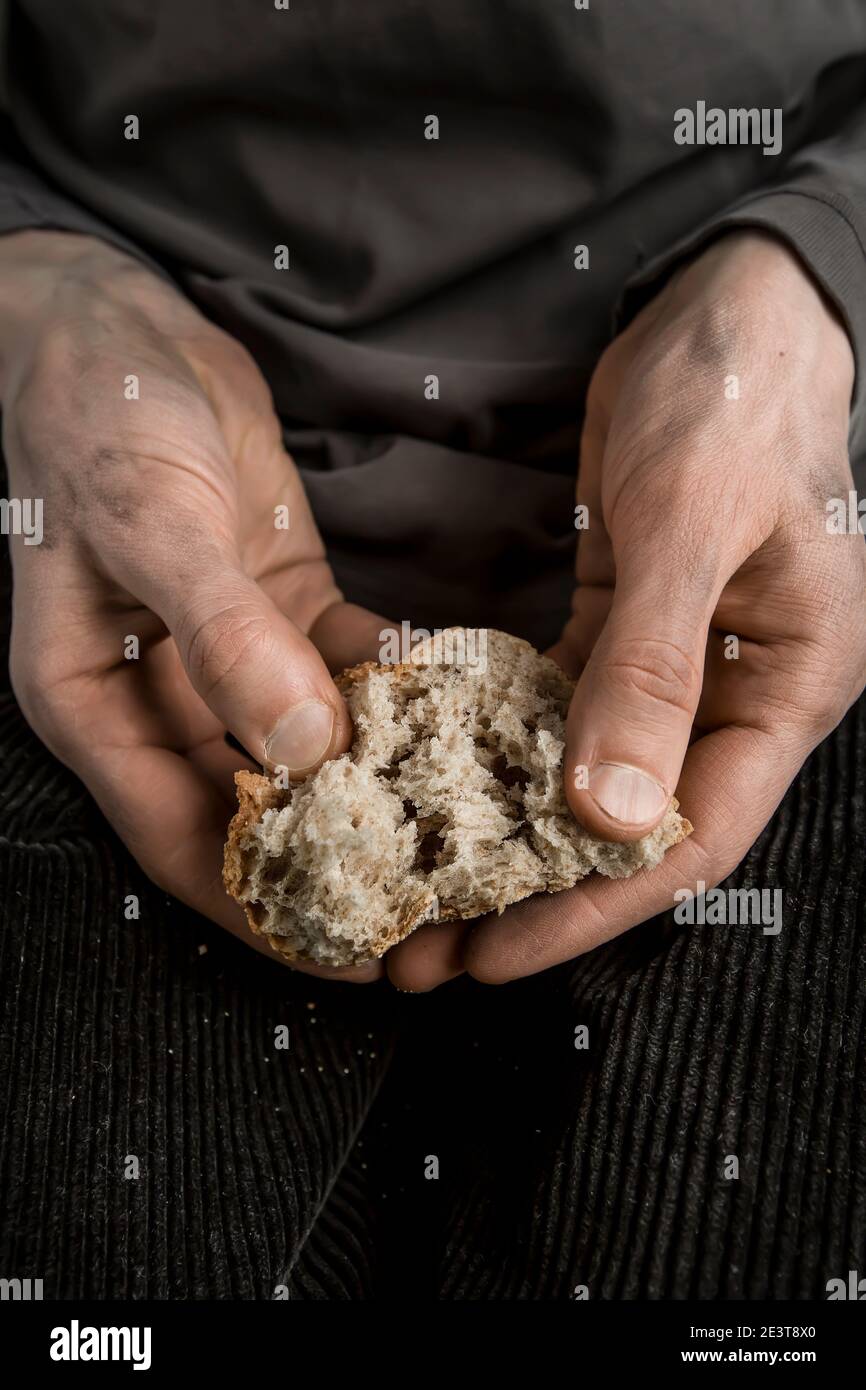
(606, 1167)
(304, 1170)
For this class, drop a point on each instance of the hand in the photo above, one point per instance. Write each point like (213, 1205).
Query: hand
(707, 519)
(160, 524)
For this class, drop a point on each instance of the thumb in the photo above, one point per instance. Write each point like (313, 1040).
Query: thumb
(256, 671)
(632, 711)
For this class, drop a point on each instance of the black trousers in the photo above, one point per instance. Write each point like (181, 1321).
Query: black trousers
(155, 1141)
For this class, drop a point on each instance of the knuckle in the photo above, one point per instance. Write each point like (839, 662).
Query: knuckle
(41, 701)
(232, 364)
(658, 670)
(220, 642)
(832, 661)
(827, 702)
(818, 712)
(817, 697)
(805, 686)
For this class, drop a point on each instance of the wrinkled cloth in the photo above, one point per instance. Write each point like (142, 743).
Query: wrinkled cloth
(411, 257)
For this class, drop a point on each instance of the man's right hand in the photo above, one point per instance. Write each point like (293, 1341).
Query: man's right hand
(152, 439)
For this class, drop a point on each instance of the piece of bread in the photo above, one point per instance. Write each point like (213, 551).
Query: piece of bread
(449, 804)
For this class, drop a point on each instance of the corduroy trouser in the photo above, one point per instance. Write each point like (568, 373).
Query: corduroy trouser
(156, 1143)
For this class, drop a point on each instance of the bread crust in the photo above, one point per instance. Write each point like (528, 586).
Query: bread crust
(257, 796)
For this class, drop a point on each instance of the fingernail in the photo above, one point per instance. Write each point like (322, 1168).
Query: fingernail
(625, 794)
(302, 737)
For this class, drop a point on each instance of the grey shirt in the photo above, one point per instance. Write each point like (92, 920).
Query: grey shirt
(431, 167)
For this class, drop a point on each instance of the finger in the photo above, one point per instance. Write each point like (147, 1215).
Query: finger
(347, 635)
(429, 957)
(590, 607)
(365, 974)
(732, 782)
(749, 682)
(219, 761)
(632, 711)
(257, 672)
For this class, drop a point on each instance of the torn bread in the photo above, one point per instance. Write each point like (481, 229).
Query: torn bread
(448, 804)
